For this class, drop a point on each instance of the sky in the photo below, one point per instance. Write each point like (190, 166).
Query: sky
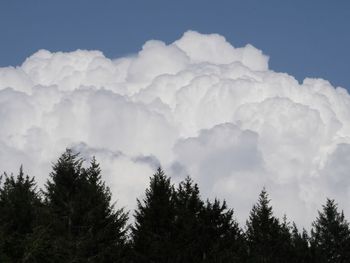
(303, 38)
(240, 97)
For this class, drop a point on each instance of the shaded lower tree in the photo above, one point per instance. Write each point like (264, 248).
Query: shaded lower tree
(20, 215)
(330, 235)
(83, 224)
(153, 231)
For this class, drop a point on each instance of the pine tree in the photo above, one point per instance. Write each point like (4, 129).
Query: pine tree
(300, 246)
(153, 231)
(20, 214)
(221, 239)
(61, 192)
(103, 236)
(330, 235)
(83, 224)
(285, 241)
(188, 206)
(264, 234)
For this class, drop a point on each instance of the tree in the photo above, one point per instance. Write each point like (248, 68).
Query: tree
(264, 233)
(153, 231)
(20, 214)
(330, 235)
(221, 239)
(105, 238)
(84, 225)
(285, 240)
(188, 207)
(300, 246)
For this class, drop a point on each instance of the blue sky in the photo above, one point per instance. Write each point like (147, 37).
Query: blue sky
(302, 38)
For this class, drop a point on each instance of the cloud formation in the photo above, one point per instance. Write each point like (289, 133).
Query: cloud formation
(198, 106)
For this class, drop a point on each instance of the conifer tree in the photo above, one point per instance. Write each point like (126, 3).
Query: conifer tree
(153, 232)
(83, 223)
(20, 214)
(221, 238)
(286, 250)
(264, 233)
(104, 236)
(330, 235)
(300, 246)
(188, 206)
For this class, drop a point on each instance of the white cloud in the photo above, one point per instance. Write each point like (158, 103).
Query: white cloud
(198, 106)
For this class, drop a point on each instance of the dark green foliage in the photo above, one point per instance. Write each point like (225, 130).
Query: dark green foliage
(38, 247)
(153, 232)
(176, 226)
(330, 235)
(205, 232)
(20, 214)
(75, 222)
(300, 246)
(106, 236)
(188, 208)
(268, 240)
(221, 238)
(83, 225)
(284, 238)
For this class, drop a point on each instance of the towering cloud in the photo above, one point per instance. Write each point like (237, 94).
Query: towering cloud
(198, 106)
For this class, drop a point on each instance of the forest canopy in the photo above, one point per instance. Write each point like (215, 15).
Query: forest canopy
(72, 219)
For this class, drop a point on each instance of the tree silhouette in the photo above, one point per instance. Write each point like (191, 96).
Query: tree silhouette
(221, 238)
(300, 246)
(20, 213)
(83, 223)
(153, 232)
(73, 220)
(188, 206)
(330, 235)
(264, 233)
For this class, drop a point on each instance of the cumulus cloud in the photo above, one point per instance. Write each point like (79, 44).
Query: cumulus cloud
(197, 106)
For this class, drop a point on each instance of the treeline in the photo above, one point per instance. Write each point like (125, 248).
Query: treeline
(73, 220)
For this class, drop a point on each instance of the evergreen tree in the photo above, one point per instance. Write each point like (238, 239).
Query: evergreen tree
(103, 236)
(76, 222)
(285, 240)
(83, 224)
(264, 234)
(221, 239)
(20, 214)
(330, 235)
(300, 246)
(188, 206)
(153, 232)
